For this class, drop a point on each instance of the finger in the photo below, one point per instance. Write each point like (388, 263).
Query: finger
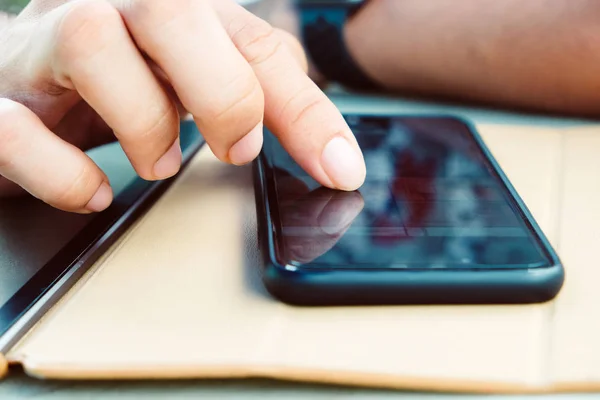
(307, 123)
(320, 222)
(212, 79)
(94, 55)
(295, 48)
(166, 84)
(46, 166)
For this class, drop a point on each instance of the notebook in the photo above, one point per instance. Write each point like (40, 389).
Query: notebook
(179, 296)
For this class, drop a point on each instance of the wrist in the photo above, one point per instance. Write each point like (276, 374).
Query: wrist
(323, 23)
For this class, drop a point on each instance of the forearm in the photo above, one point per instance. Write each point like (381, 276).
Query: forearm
(542, 54)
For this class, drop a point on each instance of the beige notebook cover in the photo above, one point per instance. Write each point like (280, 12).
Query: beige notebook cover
(179, 296)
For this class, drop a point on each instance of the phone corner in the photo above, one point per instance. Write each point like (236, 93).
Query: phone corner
(548, 282)
(285, 283)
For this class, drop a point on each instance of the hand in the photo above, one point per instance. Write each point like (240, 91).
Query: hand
(77, 74)
(323, 215)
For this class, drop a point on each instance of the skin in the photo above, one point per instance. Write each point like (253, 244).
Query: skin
(76, 74)
(538, 55)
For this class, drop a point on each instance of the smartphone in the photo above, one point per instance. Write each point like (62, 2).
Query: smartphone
(436, 222)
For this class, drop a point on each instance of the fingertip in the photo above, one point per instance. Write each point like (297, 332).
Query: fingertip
(344, 164)
(170, 162)
(101, 199)
(248, 147)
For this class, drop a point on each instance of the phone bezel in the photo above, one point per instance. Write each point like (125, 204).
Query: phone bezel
(269, 193)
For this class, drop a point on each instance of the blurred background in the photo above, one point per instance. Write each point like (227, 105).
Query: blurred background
(12, 6)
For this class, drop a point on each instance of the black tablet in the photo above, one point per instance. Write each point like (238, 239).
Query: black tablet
(43, 250)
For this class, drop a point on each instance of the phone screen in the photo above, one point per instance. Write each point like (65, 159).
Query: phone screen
(431, 199)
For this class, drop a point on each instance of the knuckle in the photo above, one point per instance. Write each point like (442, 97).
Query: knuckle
(256, 39)
(300, 105)
(241, 98)
(154, 13)
(162, 125)
(87, 28)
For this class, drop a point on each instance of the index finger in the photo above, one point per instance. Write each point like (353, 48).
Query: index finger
(308, 124)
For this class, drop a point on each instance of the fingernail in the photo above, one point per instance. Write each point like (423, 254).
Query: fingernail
(248, 147)
(343, 164)
(169, 164)
(340, 212)
(101, 199)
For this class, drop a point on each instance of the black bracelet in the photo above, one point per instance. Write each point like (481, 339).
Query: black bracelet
(322, 33)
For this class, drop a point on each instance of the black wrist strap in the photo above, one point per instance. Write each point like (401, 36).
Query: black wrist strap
(324, 41)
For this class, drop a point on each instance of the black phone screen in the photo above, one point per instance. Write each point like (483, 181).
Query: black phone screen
(432, 199)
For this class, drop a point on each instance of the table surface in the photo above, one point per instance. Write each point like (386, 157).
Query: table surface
(111, 159)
